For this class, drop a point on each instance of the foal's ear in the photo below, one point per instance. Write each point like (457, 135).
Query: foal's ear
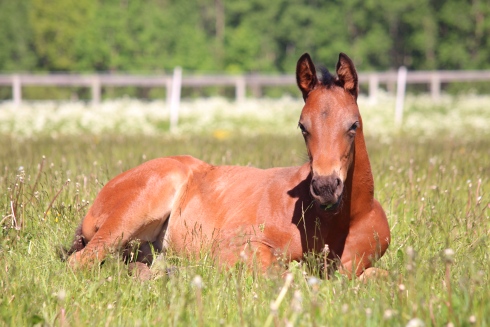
(347, 75)
(306, 75)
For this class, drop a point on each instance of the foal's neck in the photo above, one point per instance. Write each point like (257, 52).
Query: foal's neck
(360, 182)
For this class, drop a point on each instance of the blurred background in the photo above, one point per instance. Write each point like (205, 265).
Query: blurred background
(110, 65)
(236, 37)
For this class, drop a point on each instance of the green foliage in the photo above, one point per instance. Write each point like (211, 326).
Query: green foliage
(464, 29)
(16, 36)
(241, 36)
(56, 27)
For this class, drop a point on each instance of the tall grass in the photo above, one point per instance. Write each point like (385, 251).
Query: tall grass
(434, 190)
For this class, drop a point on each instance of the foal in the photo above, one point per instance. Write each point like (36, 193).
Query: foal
(185, 204)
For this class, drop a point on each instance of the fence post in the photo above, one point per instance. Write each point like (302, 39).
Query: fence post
(435, 86)
(373, 88)
(255, 86)
(400, 94)
(168, 91)
(240, 89)
(175, 97)
(96, 91)
(16, 90)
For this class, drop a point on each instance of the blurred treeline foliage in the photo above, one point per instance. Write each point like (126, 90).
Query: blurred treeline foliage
(241, 36)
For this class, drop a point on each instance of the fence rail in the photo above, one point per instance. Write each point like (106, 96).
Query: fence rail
(174, 83)
(255, 83)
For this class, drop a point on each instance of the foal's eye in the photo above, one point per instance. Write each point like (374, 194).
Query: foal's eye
(354, 126)
(303, 129)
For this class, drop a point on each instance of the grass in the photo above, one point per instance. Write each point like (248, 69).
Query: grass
(434, 190)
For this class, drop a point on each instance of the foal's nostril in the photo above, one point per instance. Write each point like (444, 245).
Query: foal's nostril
(314, 187)
(339, 182)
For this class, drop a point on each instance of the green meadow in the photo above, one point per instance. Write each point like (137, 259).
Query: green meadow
(431, 177)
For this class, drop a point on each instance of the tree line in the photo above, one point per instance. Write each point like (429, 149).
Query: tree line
(241, 36)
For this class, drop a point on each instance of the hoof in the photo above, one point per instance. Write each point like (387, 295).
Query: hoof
(139, 271)
(373, 273)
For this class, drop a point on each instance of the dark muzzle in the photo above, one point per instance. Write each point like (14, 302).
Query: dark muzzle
(327, 191)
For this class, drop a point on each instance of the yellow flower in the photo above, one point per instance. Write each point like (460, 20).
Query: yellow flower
(221, 134)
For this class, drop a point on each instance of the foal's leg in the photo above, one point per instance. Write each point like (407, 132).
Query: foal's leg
(132, 206)
(368, 239)
(255, 255)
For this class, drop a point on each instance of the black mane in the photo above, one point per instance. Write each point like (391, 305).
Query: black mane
(327, 78)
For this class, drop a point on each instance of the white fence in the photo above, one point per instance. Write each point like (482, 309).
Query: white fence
(240, 82)
(173, 83)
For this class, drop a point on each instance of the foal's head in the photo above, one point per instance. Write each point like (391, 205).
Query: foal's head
(329, 122)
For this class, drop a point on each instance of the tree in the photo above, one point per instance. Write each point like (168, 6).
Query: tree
(144, 36)
(241, 36)
(57, 25)
(16, 41)
(463, 33)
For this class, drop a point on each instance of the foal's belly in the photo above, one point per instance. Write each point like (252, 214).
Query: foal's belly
(225, 208)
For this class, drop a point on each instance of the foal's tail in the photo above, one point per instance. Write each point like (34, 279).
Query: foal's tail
(77, 245)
